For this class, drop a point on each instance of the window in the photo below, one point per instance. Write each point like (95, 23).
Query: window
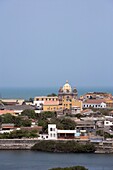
(51, 129)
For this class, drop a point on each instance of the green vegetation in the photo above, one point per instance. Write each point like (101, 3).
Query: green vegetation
(64, 123)
(45, 115)
(19, 134)
(104, 134)
(29, 113)
(17, 120)
(71, 168)
(61, 123)
(102, 111)
(64, 146)
(7, 118)
(51, 95)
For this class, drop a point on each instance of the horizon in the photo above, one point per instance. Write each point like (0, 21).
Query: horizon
(26, 93)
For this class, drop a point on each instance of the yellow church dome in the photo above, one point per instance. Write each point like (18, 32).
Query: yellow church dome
(67, 87)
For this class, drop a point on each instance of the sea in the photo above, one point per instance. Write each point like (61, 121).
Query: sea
(34, 160)
(26, 93)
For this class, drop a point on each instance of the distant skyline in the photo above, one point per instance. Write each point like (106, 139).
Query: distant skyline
(44, 43)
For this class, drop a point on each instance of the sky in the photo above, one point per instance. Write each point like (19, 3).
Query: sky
(43, 43)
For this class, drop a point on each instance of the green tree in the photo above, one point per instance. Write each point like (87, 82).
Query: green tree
(70, 168)
(51, 95)
(66, 124)
(30, 113)
(47, 114)
(8, 118)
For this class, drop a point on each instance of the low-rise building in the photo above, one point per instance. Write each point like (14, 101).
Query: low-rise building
(7, 127)
(39, 101)
(66, 99)
(96, 95)
(85, 126)
(12, 101)
(55, 134)
(94, 103)
(52, 106)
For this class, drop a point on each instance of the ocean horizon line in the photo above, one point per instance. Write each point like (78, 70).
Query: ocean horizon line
(31, 92)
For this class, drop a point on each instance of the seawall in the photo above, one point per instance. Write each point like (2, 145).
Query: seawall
(17, 144)
(27, 144)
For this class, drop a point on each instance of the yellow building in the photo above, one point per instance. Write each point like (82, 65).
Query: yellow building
(66, 99)
(109, 103)
(52, 106)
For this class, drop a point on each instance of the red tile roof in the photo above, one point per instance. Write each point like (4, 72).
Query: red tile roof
(51, 103)
(6, 111)
(94, 101)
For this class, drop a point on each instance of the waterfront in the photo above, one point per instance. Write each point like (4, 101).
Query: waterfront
(33, 160)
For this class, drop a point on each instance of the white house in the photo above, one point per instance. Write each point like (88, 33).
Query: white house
(108, 123)
(54, 133)
(94, 103)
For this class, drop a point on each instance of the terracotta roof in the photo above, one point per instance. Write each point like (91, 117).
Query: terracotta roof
(6, 111)
(94, 101)
(7, 125)
(51, 103)
(39, 128)
(87, 110)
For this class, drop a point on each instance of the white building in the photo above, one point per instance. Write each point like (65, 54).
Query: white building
(94, 103)
(40, 100)
(108, 122)
(54, 133)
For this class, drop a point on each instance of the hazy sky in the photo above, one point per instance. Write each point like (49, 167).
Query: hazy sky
(46, 42)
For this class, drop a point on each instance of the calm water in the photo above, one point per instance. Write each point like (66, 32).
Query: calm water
(26, 93)
(33, 160)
